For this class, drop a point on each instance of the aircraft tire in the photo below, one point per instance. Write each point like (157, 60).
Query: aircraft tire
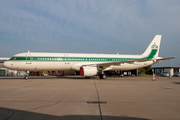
(26, 77)
(102, 76)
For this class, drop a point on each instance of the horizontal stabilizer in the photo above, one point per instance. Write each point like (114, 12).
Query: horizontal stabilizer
(162, 59)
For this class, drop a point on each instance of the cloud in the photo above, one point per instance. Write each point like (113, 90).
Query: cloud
(71, 26)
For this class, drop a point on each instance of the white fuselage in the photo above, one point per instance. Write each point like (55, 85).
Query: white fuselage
(71, 61)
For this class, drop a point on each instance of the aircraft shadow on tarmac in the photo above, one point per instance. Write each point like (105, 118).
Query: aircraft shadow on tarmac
(176, 83)
(49, 77)
(59, 77)
(8, 114)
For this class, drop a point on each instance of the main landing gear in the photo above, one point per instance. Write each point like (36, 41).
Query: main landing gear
(102, 76)
(101, 73)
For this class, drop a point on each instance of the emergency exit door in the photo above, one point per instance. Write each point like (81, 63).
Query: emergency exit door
(66, 59)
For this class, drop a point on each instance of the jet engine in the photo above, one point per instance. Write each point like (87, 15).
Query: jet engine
(88, 71)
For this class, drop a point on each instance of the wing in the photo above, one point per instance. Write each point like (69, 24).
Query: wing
(120, 62)
(107, 64)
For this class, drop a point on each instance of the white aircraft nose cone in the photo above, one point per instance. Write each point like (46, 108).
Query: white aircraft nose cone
(7, 64)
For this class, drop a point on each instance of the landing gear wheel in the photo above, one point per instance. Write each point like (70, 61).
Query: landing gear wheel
(26, 77)
(102, 76)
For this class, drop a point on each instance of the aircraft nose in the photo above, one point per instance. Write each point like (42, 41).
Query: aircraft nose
(7, 64)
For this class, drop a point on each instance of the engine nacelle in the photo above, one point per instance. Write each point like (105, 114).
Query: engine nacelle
(88, 71)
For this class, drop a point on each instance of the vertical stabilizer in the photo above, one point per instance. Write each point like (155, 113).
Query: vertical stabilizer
(153, 49)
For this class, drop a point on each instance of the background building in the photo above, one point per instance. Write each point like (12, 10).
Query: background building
(170, 70)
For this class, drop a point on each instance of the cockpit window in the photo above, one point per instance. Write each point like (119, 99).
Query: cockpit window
(14, 58)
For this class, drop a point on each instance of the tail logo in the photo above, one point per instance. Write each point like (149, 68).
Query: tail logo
(154, 46)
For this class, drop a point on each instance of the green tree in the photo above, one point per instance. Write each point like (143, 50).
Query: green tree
(144, 70)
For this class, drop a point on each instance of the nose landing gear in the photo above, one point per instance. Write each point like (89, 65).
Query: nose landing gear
(27, 75)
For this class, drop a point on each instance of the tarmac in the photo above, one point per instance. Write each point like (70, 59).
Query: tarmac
(77, 98)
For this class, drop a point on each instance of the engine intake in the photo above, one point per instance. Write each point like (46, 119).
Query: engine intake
(88, 71)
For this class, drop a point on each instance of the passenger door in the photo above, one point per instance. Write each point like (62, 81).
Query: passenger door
(28, 58)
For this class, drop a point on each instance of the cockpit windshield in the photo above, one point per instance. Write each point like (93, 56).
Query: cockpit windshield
(14, 58)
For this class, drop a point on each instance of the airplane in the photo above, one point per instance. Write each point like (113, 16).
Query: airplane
(88, 65)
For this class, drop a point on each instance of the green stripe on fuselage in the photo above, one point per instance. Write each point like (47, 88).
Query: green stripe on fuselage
(80, 59)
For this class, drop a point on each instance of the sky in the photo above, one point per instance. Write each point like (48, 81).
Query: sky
(90, 26)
